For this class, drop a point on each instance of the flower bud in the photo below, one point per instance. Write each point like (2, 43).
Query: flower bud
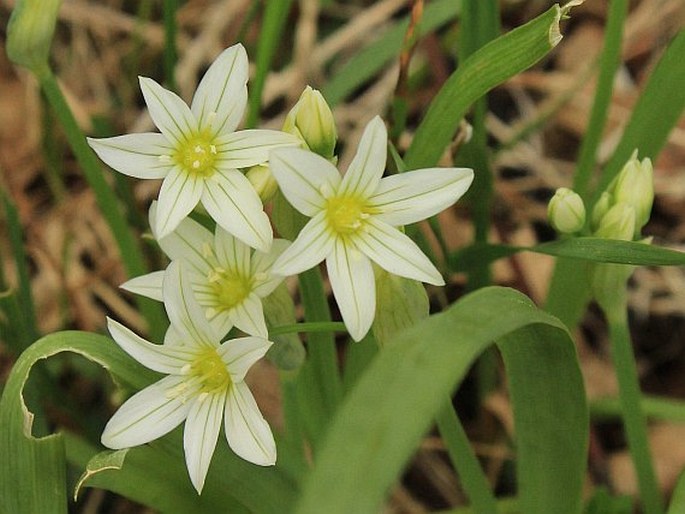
(262, 181)
(634, 185)
(312, 121)
(600, 209)
(618, 223)
(566, 211)
(29, 33)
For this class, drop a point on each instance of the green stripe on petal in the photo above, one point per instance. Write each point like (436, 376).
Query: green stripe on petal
(314, 243)
(366, 169)
(353, 285)
(145, 155)
(304, 178)
(223, 91)
(240, 354)
(417, 195)
(230, 199)
(200, 435)
(184, 312)
(396, 253)
(179, 194)
(170, 114)
(248, 434)
(148, 285)
(147, 415)
(250, 147)
(153, 356)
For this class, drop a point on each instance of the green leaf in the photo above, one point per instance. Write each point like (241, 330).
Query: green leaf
(378, 54)
(385, 415)
(678, 498)
(489, 66)
(655, 113)
(400, 304)
(593, 249)
(287, 353)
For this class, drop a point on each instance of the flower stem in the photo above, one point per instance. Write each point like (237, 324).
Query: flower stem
(308, 328)
(465, 462)
(633, 418)
(131, 253)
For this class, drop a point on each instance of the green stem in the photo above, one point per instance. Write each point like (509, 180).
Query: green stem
(653, 407)
(129, 249)
(633, 418)
(319, 384)
(309, 328)
(609, 62)
(465, 461)
(170, 29)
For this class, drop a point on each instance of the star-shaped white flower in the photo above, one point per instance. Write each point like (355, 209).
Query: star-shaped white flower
(228, 278)
(198, 153)
(204, 384)
(354, 218)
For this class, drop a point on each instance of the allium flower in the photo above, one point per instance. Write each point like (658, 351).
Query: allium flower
(204, 383)
(354, 219)
(198, 152)
(228, 278)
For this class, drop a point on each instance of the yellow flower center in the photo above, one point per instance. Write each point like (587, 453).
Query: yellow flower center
(230, 287)
(346, 214)
(196, 155)
(210, 371)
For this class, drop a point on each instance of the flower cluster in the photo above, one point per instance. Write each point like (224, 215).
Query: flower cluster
(217, 279)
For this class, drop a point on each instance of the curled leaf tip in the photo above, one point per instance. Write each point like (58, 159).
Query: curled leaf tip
(555, 35)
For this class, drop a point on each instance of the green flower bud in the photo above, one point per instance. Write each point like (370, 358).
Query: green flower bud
(618, 223)
(566, 211)
(600, 209)
(29, 33)
(312, 121)
(634, 185)
(262, 181)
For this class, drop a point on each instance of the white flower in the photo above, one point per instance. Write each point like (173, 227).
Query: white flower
(204, 383)
(198, 152)
(228, 279)
(354, 219)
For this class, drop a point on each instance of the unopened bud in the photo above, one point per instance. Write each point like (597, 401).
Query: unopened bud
(262, 181)
(312, 121)
(634, 185)
(566, 211)
(29, 33)
(618, 223)
(600, 209)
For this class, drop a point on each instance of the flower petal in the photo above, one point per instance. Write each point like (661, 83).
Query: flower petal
(184, 312)
(189, 241)
(264, 280)
(149, 285)
(313, 244)
(353, 285)
(247, 432)
(223, 91)
(240, 354)
(230, 199)
(396, 253)
(147, 415)
(170, 114)
(367, 167)
(200, 435)
(178, 196)
(231, 253)
(156, 357)
(248, 316)
(416, 195)
(304, 178)
(221, 323)
(250, 147)
(146, 155)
